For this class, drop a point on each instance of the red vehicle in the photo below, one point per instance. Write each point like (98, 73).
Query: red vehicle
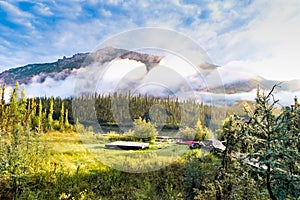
(186, 142)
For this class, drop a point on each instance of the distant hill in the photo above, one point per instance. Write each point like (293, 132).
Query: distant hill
(248, 85)
(62, 68)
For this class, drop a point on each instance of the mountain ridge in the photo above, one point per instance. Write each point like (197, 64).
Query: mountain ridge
(37, 76)
(24, 74)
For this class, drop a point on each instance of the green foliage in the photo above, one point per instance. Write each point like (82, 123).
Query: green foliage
(144, 131)
(261, 160)
(199, 133)
(178, 113)
(21, 157)
(114, 136)
(199, 175)
(268, 143)
(62, 117)
(66, 121)
(187, 133)
(14, 115)
(40, 116)
(50, 115)
(79, 128)
(275, 138)
(202, 132)
(193, 175)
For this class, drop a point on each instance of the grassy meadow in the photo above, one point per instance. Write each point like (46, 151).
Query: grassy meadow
(67, 165)
(87, 151)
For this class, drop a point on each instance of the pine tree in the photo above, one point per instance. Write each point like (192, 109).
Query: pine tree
(50, 115)
(2, 109)
(296, 106)
(225, 179)
(274, 146)
(22, 109)
(32, 106)
(13, 115)
(202, 132)
(61, 117)
(40, 116)
(67, 124)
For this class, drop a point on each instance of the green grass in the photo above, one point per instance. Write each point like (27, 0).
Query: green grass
(88, 152)
(72, 166)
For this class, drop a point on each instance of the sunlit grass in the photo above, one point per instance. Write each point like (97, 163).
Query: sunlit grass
(88, 152)
(67, 150)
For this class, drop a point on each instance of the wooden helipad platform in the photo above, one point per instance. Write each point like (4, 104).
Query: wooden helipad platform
(127, 145)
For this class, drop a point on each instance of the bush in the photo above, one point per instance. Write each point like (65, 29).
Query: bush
(199, 133)
(55, 125)
(144, 130)
(79, 128)
(187, 133)
(202, 132)
(114, 136)
(21, 157)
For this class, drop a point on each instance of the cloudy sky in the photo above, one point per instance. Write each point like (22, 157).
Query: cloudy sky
(257, 36)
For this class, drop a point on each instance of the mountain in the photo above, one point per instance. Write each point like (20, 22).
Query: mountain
(62, 68)
(111, 70)
(247, 85)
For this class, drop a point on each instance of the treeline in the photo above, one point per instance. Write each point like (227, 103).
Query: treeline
(25, 115)
(42, 114)
(122, 109)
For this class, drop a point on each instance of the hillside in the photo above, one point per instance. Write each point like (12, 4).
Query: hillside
(62, 68)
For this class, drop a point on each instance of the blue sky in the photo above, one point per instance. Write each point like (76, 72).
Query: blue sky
(256, 36)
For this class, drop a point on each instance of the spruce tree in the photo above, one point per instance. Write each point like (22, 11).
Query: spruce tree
(2, 109)
(40, 116)
(226, 176)
(61, 117)
(269, 143)
(274, 139)
(67, 124)
(50, 114)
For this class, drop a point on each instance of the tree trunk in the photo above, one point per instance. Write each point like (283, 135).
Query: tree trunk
(269, 184)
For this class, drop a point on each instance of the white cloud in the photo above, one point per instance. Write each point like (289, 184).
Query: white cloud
(105, 13)
(260, 38)
(16, 15)
(179, 65)
(114, 2)
(232, 75)
(51, 87)
(13, 10)
(119, 69)
(267, 46)
(43, 9)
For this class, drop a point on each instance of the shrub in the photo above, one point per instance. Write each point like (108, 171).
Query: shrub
(55, 125)
(144, 130)
(79, 128)
(202, 132)
(199, 133)
(187, 133)
(114, 136)
(21, 156)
